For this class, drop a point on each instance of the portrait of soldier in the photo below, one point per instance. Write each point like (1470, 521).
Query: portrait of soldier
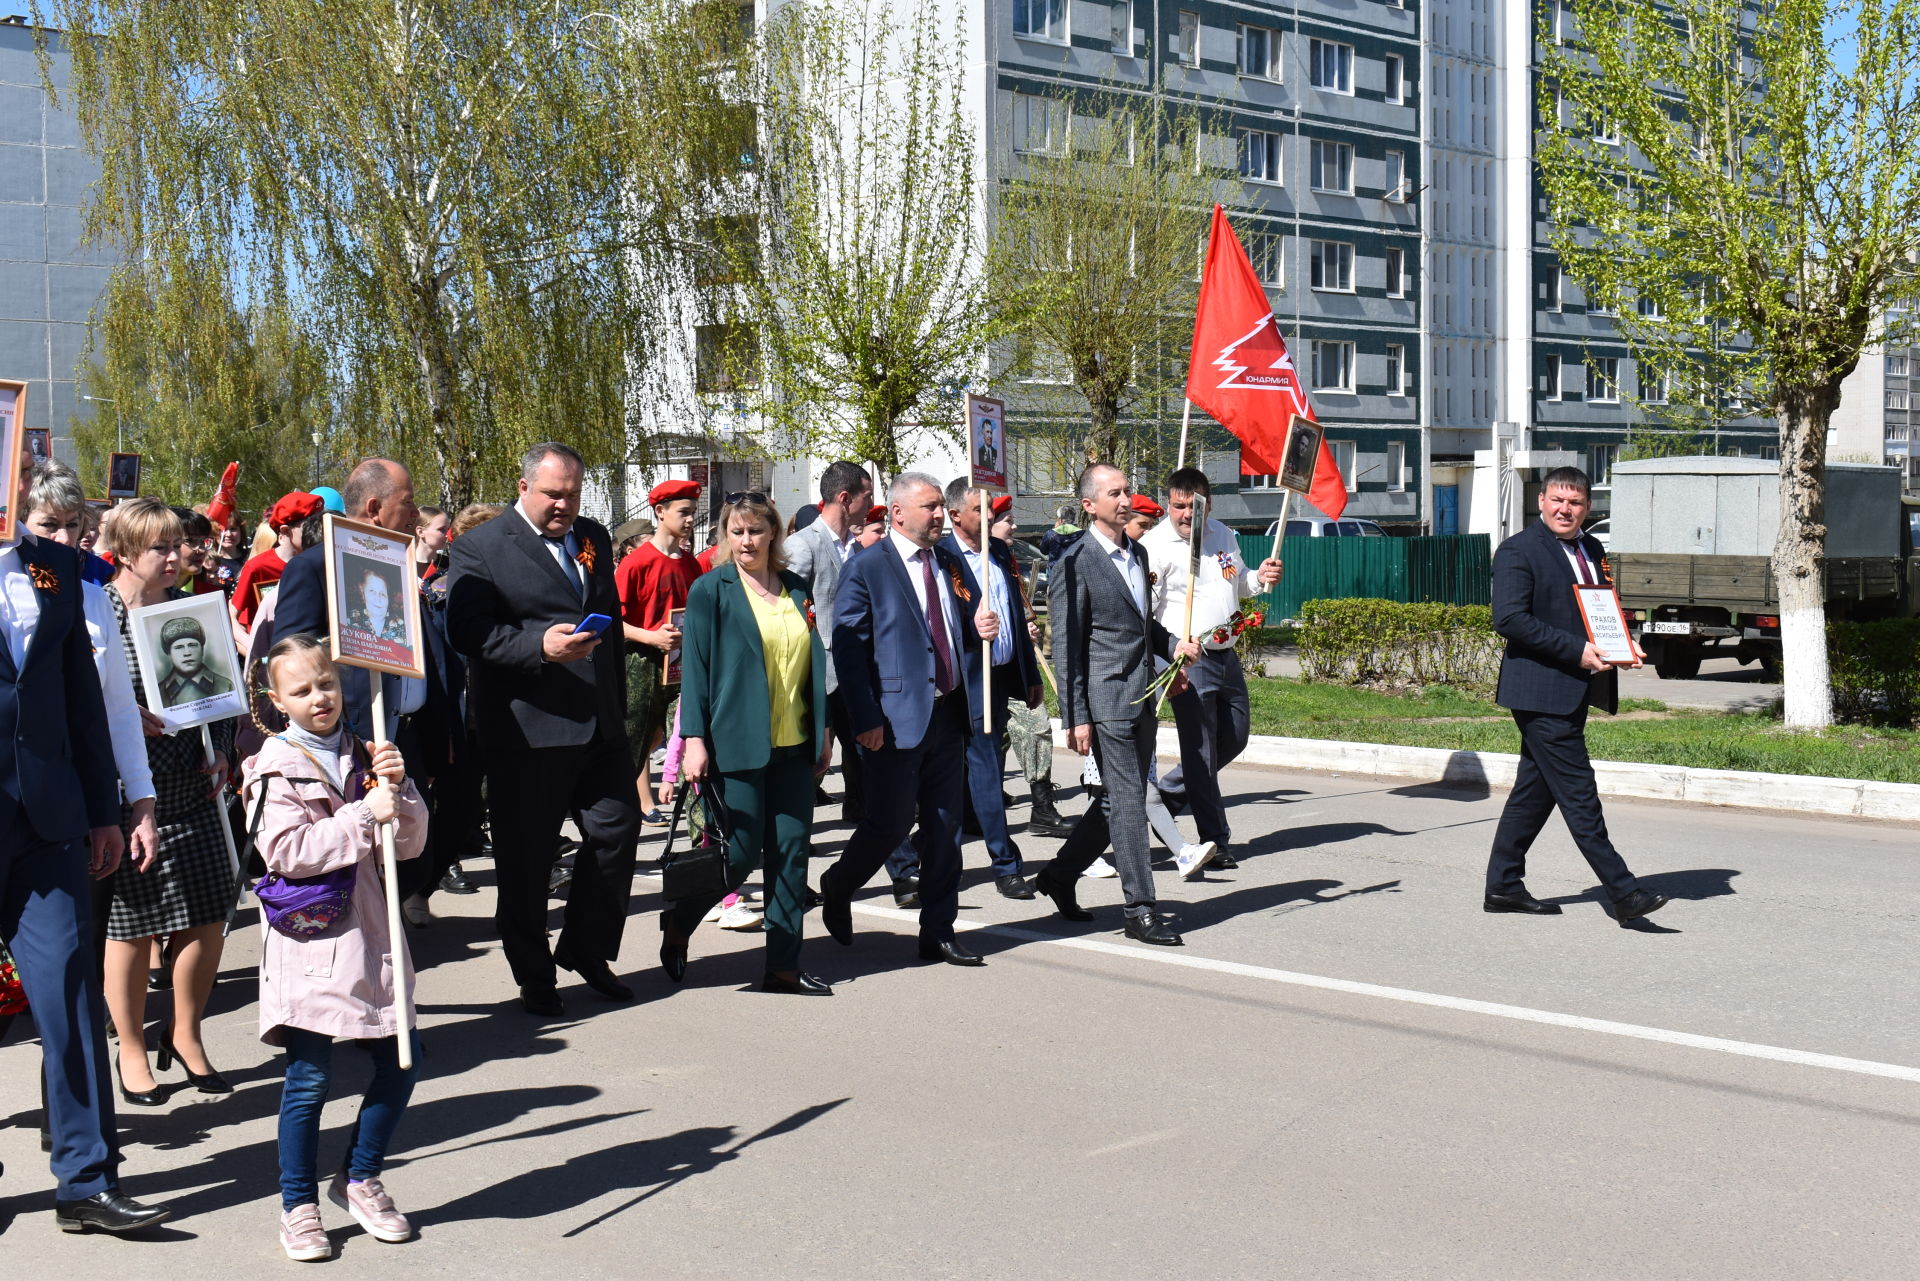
(189, 676)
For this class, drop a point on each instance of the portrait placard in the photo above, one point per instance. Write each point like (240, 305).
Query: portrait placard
(987, 441)
(40, 445)
(670, 670)
(1301, 453)
(123, 475)
(1606, 623)
(13, 410)
(188, 666)
(373, 610)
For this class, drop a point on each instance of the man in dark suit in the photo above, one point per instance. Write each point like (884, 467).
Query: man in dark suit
(549, 708)
(59, 827)
(1549, 677)
(1104, 640)
(991, 578)
(902, 615)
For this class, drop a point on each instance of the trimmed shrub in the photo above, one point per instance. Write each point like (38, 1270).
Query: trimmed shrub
(1384, 642)
(1876, 670)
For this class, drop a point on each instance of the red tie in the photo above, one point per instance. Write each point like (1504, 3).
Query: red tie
(937, 626)
(1580, 558)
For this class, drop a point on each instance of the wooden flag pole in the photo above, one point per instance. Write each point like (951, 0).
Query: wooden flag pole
(1280, 526)
(226, 831)
(1186, 420)
(1196, 541)
(390, 870)
(986, 578)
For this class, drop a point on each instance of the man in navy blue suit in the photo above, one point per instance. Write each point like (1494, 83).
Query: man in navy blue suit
(1550, 675)
(902, 615)
(990, 576)
(59, 827)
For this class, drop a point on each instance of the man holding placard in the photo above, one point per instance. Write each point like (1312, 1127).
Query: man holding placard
(1552, 672)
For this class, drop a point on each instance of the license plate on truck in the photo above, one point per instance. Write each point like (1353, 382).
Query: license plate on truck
(1669, 629)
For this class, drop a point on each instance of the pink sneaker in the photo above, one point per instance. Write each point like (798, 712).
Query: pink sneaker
(367, 1201)
(302, 1236)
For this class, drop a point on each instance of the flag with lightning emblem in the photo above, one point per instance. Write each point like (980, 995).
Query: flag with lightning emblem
(1241, 373)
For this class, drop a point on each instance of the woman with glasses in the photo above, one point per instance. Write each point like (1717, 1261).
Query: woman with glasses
(183, 890)
(753, 719)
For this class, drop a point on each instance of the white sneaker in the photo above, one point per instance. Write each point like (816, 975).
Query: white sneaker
(302, 1236)
(1101, 870)
(1192, 858)
(714, 912)
(741, 916)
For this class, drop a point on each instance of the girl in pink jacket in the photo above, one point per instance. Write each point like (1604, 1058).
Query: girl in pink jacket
(316, 796)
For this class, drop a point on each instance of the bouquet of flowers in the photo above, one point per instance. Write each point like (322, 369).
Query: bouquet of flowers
(1221, 635)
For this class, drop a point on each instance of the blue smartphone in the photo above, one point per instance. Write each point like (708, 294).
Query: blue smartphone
(593, 624)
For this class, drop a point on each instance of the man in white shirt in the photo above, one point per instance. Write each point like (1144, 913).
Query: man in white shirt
(1212, 712)
(818, 554)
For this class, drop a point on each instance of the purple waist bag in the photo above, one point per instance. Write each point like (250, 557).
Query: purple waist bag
(306, 907)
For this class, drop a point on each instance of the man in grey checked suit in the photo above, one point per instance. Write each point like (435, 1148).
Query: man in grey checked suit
(818, 553)
(1103, 637)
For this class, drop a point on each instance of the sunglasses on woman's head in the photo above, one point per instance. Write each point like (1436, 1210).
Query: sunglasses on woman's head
(746, 496)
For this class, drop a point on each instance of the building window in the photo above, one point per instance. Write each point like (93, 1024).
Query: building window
(1330, 166)
(1396, 369)
(1259, 52)
(1260, 155)
(1396, 79)
(1396, 272)
(1653, 385)
(1330, 267)
(724, 358)
(1332, 365)
(1048, 364)
(1897, 366)
(1648, 305)
(1343, 457)
(1039, 125)
(1396, 467)
(1266, 250)
(1606, 130)
(1330, 66)
(1396, 177)
(1189, 38)
(1896, 398)
(1600, 460)
(1041, 19)
(1268, 481)
(1553, 288)
(1603, 380)
(1550, 381)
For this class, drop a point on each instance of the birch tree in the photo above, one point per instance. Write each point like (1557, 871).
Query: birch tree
(858, 310)
(472, 203)
(1725, 169)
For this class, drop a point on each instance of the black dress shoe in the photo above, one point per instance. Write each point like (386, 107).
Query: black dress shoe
(804, 985)
(1223, 861)
(543, 1001)
(906, 893)
(1637, 904)
(836, 914)
(1063, 899)
(1014, 886)
(456, 882)
(673, 955)
(1521, 902)
(952, 951)
(558, 880)
(596, 974)
(1149, 928)
(110, 1211)
(820, 797)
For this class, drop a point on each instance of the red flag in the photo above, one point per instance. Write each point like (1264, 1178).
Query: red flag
(220, 510)
(1240, 372)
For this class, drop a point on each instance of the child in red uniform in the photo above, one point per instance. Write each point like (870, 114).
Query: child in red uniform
(264, 570)
(654, 579)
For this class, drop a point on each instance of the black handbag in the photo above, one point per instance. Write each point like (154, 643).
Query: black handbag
(699, 870)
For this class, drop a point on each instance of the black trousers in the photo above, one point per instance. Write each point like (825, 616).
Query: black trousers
(852, 768)
(453, 803)
(529, 794)
(1554, 771)
(924, 784)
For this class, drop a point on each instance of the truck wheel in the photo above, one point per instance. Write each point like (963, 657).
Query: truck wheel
(1770, 668)
(1677, 664)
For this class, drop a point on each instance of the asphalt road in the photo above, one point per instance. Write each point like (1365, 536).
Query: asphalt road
(1732, 1090)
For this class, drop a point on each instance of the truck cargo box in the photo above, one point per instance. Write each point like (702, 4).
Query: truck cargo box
(1706, 506)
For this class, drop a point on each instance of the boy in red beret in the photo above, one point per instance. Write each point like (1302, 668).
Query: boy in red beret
(654, 580)
(262, 573)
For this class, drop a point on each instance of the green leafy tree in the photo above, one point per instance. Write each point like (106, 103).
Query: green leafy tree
(472, 205)
(1760, 210)
(1095, 262)
(856, 308)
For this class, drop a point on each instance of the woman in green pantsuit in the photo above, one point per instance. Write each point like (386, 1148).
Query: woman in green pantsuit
(753, 717)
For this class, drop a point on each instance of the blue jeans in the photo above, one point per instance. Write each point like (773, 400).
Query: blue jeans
(309, 1081)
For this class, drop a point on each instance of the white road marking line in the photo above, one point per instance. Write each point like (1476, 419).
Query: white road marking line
(1720, 1045)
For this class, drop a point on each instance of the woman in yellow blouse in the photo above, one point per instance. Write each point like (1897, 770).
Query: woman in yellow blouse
(753, 713)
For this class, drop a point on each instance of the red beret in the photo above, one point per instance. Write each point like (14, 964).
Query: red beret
(876, 514)
(668, 491)
(1144, 506)
(1003, 504)
(294, 508)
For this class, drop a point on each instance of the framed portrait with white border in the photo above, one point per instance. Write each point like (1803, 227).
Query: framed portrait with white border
(13, 412)
(188, 667)
(1301, 453)
(373, 609)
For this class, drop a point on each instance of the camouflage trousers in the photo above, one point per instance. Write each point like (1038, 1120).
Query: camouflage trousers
(1030, 736)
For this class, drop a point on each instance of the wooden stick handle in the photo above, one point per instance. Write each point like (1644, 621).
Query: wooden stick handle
(390, 870)
(986, 646)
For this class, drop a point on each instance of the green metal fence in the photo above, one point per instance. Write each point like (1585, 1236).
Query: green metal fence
(1456, 570)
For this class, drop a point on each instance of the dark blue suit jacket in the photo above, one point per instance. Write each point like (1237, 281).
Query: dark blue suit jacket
(1026, 666)
(1535, 609)
(882, 651)
(56, 758)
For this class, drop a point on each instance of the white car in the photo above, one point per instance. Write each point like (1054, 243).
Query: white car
(1603, 530)
(1327, 527)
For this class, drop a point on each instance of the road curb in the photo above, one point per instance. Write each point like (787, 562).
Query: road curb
(1801, 793)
